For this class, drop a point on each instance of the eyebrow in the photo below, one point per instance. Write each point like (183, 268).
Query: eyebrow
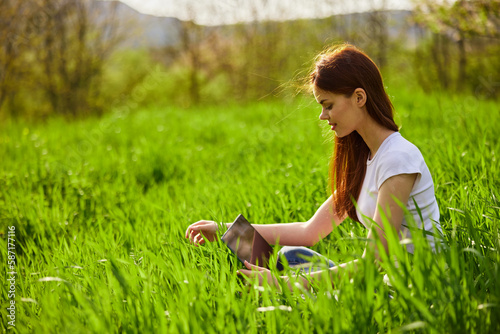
(322, 101)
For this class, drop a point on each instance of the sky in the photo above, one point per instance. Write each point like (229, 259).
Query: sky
(218, 12)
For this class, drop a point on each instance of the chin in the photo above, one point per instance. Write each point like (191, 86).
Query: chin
(342, 134)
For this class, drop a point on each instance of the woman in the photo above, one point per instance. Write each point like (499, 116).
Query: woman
(372, 163)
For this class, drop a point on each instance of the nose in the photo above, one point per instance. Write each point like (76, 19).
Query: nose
(324, 115)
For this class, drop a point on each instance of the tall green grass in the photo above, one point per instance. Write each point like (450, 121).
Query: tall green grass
(101, 206)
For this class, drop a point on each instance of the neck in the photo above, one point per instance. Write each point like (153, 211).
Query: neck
(373, 135)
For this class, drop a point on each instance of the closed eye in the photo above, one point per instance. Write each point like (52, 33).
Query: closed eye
(329, 107)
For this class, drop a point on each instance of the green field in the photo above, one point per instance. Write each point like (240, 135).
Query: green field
(100, 208)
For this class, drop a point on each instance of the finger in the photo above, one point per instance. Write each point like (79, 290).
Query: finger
(193, 235)
(190, 230)
(197, 239)
(248, 265)
(200, 240)
(193, 227)
(253, 266)
(244, 272)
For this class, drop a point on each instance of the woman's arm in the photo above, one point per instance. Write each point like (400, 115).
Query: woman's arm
(394, 190)
(289, 234)
(304, 233)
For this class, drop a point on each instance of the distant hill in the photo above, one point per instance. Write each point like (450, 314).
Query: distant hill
(143, 30)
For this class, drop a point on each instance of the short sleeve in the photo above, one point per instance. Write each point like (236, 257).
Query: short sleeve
(402, 161)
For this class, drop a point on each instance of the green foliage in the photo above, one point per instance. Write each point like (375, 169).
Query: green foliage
(52, 56)
(100, 209)
(460, 41)
(64, 57)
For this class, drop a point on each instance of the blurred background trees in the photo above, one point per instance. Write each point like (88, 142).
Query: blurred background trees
(53, 55)
(462, 44)
(72, 43)
(82, 57)
(15, 45)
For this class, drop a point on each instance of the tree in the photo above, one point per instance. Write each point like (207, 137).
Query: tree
(58, 49)
(14, 44)
(459, 21)
(378, 20)
(75, 40)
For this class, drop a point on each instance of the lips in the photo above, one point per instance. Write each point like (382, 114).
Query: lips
(334, 125)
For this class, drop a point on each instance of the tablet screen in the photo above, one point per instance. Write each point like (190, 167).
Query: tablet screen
(247, 243)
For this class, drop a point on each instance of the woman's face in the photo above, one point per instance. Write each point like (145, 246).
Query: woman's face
(342, 113)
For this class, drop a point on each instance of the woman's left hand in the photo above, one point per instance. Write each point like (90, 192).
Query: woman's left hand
(263, 274)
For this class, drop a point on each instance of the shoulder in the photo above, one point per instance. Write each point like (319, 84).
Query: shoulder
(396, 144)
(399, 150)
(398, 156)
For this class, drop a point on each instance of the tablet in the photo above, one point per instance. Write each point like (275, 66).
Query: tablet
(244, 241)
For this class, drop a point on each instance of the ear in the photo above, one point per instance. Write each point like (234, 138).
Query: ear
(359, 96)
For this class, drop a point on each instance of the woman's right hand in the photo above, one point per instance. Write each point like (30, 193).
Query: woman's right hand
(201, 231)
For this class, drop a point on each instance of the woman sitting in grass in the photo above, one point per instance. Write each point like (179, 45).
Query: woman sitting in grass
(372, 163)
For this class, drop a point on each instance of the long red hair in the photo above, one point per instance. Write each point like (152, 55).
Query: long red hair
(341, 70)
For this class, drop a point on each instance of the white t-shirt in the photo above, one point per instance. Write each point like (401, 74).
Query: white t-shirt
(398, 156)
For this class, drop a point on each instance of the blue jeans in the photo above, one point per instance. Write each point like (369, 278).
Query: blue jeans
(304, 258)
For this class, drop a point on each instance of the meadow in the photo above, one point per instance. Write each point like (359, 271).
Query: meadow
(100, 208)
